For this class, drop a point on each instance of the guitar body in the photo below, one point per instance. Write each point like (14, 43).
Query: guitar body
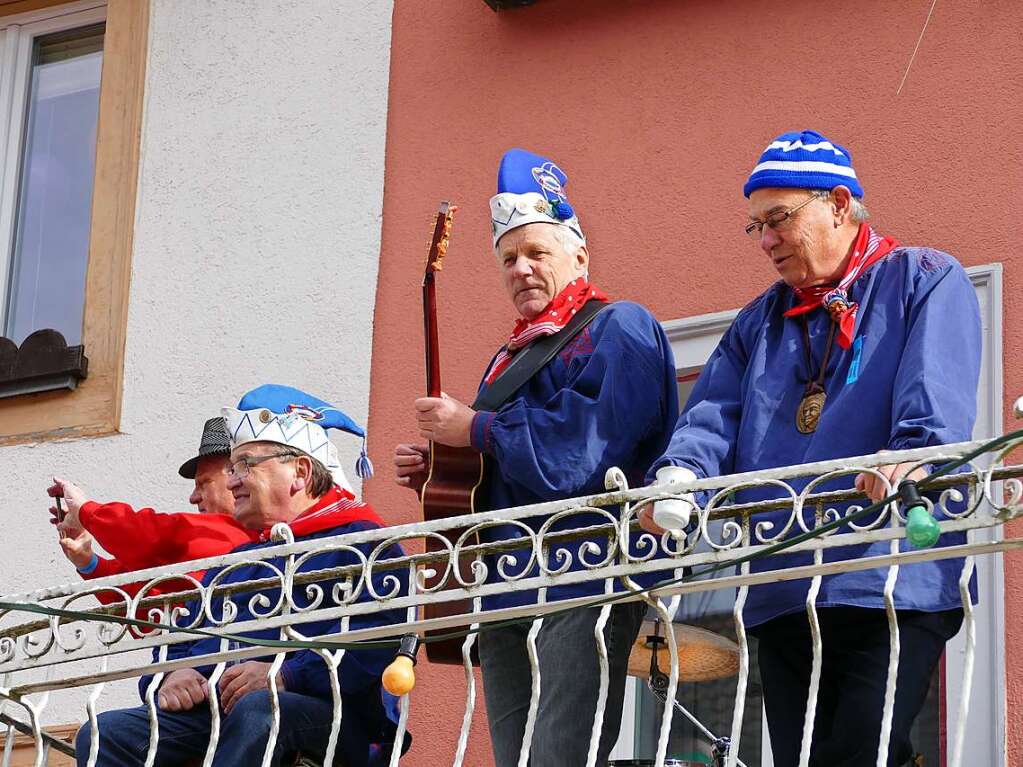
(454, 472)
(450, 489)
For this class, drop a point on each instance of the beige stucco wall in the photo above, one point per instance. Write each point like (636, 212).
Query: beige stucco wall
(256, 249)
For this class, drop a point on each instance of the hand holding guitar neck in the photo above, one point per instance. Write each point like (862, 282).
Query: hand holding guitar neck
(445, 420)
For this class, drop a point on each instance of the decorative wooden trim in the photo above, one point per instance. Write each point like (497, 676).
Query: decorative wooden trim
(94, 408)
(12, 7)
(44, 361)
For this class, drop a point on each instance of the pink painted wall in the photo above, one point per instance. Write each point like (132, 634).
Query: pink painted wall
(657, 109)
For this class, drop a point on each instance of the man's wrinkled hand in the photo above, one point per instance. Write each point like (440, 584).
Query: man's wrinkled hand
(74, 499)
(674, 509)
(874, 488)
(77, 547)
(670, 513)
(239, 680)
(182, 690)
(444, 420)
(410, 469)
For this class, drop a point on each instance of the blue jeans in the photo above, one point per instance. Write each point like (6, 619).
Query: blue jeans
(184, 735)
(569, 684)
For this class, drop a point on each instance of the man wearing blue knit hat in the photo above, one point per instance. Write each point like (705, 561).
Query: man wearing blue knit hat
(607, 398)
(849, 353)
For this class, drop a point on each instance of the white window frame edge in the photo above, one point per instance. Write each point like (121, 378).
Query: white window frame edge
(989, 277)
(706, 329)
(17, 35)
(699, 328)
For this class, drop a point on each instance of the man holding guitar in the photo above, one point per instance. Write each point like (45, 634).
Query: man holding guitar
(581, 385)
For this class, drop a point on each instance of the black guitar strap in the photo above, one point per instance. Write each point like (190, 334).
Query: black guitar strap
(530, 360)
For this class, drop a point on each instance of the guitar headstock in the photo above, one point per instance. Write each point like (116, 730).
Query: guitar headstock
(442, 224)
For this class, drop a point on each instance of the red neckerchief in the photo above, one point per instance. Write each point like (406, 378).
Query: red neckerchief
(868, 248)
(335, 508)
(548, 322)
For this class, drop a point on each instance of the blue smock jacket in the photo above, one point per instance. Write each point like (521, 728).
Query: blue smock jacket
(909, 380)
(609, 398)
(303, 671)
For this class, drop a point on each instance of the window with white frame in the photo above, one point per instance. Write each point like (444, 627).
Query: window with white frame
(50, 69)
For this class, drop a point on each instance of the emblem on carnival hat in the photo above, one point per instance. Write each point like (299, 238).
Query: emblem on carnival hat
(288, 416)
(530, 189)
(803, 160)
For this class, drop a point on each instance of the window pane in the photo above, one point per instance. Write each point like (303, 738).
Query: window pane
(47, 285)
(711, 702)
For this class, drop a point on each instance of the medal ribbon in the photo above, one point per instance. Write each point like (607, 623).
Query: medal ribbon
(868, 248)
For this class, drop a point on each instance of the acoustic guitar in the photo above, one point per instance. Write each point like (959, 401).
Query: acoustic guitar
(454, 472)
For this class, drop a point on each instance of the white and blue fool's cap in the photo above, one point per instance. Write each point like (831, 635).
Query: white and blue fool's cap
(530, 190)
(804, 160)
(288, 416)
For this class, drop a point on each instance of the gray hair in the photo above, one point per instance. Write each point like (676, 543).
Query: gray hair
(858, 212)
(568, 239)
(320, 481)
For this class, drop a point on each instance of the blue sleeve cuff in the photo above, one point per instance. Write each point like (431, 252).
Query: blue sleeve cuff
(288, 675)
(89, 568)
(479, 431)
(651, 475)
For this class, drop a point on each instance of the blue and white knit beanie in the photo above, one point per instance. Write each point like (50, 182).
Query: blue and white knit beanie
(804, 160)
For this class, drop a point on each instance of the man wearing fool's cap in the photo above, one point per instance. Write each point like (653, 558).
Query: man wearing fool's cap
(283, 470)
(607, 399)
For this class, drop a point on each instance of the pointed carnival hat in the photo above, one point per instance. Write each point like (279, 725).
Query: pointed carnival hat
(287, 416)
(530, 190)
(804, 160)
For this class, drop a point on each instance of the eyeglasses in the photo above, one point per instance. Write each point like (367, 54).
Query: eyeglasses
(755, 229)
(240, 469)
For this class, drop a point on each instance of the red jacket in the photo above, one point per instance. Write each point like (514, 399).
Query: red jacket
(141, 539)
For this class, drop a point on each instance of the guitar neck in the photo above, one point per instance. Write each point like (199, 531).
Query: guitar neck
(432, 338)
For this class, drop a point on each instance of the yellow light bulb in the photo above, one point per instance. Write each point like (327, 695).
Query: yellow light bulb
(399, 677)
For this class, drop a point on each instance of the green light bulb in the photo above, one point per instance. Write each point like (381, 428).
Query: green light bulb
(921, 528)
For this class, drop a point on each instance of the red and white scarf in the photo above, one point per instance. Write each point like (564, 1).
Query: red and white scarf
(868, 248)
(548, 322)
(335, 508)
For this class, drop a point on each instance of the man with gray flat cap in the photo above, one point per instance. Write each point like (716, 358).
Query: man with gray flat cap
(145, 538)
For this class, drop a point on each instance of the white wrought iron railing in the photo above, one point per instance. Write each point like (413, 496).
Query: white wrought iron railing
(55, 639)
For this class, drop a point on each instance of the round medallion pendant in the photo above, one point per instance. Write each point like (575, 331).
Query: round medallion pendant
(809, 413)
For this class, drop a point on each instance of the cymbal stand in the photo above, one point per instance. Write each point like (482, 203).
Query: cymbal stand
(658, 685)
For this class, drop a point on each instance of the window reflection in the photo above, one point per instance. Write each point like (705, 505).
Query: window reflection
(47, 281)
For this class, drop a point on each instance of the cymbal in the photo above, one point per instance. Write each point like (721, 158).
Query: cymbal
(702, 654)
